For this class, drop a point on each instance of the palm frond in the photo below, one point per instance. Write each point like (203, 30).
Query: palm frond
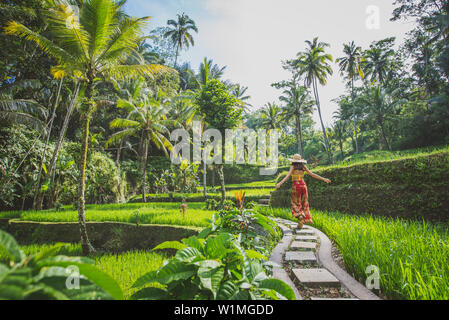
(17, 29)
(122, 72)
(118, 137)
(123, 123)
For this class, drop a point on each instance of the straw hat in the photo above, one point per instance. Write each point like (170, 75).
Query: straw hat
(297, 159)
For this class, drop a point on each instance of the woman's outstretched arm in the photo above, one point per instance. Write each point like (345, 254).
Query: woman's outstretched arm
(313, 175)
(285, 179)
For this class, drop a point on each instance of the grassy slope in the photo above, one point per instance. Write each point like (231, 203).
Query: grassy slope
(149, 213)
(379, 156)
(412, 257)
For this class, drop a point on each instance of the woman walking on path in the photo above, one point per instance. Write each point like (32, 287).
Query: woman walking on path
(300, 196)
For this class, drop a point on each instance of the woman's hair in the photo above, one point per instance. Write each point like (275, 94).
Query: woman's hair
(298, 166)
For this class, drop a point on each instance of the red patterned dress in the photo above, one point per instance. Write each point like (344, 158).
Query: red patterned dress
(300, 197)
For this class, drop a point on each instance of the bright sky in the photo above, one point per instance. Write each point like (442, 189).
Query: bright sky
(252, 37)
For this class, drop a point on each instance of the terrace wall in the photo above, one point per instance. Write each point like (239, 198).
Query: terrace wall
(107, 236)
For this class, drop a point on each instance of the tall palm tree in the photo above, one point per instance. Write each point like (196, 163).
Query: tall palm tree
(314, 65)
(351, 65)
(180, 33)
(378, 63)
(91, 40)
(380, 108)
(147, 119)
(271, 117)
(298, 104)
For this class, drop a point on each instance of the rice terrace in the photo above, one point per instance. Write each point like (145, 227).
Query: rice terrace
(224, 150)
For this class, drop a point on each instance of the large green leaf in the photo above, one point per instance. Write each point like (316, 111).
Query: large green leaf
(227, 291)
(43, 292)
(175, 270)
(188, 254)
(211, 278)
(10, 247)
(278, 286)
(204, 233)
(10, 292)
(90, 271)
(151, 294)
(194, 242)
(170, 245)
(217, 247)
(147, 278)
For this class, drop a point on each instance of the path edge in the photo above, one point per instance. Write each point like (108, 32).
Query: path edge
(276, 256)
(325, 258)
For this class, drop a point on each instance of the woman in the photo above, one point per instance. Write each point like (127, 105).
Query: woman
(300, 197)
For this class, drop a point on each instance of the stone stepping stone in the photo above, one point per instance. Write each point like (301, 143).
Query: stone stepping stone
(303, 245)
(306, 238)
(316, 278)
(264, 201)
(325, 299)
(304, 232)
(305, 257)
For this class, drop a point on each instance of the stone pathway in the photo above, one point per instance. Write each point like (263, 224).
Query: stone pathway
(306, 264)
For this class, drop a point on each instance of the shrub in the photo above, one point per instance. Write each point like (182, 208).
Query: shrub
(214, 265)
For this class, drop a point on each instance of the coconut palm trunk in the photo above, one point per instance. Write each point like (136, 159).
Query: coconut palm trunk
(86, 246)
(384, 135)
(317, 99)
(299, 133)
(354, 118)
(39, 179)
(51, 170)
(144, 169)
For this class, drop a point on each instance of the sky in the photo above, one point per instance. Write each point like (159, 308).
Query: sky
(253, 37)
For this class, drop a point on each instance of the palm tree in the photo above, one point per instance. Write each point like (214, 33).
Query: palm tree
(90, 41)
(339, 133)
(351, 64)
(182, 109)
(314, 65)
(378, 62)
(180, 33)
(298, 104)
(208, 71)
(146, 119)
(271, 117)
(22, 111)
(239, 92)
(380, 107)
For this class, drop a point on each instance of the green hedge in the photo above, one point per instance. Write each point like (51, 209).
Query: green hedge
(107, 236)
(415, 187)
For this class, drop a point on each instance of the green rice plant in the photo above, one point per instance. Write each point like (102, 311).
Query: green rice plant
(412, 256)
(156, 213)
(127, 267)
